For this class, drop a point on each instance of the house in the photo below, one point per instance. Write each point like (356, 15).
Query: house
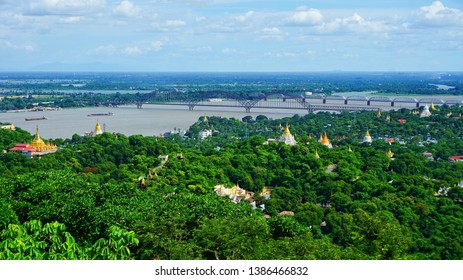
(456, 158)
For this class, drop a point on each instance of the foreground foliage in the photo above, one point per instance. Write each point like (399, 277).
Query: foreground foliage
(85, 201)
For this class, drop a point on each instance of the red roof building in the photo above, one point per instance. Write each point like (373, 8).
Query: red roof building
(456, 158)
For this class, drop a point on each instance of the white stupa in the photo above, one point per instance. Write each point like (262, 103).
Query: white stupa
(287, 137)
(367, 138)
(426, 112)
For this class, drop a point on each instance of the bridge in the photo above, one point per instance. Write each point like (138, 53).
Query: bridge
(282, 101)
(270, 104)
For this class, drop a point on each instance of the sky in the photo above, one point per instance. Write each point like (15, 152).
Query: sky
(231, 35)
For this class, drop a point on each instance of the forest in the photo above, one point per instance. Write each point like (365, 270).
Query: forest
(117, 197)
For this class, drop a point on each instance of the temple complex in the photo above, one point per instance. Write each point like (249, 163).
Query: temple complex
(287, 137)
(8, 126)
(37, 147)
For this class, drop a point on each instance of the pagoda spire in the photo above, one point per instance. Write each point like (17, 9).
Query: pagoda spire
(316, 154)
(287, 132)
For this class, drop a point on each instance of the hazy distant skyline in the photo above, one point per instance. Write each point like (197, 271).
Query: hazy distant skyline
(227, 35)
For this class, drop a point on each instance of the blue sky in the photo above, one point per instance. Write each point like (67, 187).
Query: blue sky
(231, 35)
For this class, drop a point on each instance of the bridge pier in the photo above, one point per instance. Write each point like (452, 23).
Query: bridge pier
(392, 104)
(368, 102)
(191, 107)
(417, 104)
(324, 100)
(139, 105)
(345, 102)
(248, 109)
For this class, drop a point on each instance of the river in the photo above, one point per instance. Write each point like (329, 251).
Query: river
(152, 120)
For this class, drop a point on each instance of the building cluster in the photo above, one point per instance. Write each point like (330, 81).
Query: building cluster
(37, 147)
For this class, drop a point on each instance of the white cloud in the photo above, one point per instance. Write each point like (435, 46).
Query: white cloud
(305, 16)
(244, 17)
(175, 23)
(229, 51)
(5, 44)
(65, 7)
(272, 33)
(143, 47)
(127, 9)
(438, 14)
(70, 20)
(280, 54)
(104, 50)
(169, 25)
(355, 23)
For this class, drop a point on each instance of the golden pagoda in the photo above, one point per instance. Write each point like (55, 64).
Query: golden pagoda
(390, 153)
(316, 154)
(39, 145)
(204, 118)
(350, 149)
(432, 106)
(325, 141)
(287, 132)
(98, 129)
(379, 114)
(388, 118)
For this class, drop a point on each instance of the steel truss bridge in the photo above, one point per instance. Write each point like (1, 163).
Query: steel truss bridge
(310, 104)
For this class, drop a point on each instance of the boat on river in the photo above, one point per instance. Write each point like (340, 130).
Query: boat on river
(36, 119)
(100, 114)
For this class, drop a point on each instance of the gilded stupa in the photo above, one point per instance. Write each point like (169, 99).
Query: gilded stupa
(95, 132)
(98, 129)
(390, 153)
(39, 145)
(325, 141)
(316, 154)
(287, 137)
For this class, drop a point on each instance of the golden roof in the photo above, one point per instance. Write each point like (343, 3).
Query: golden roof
(367, 134)
(39, 145)
(37, 142)
(432, 106)
(287, 132)
(350, 149)
(316, 153)
(98, 127)
(379, 114)
(204, 118)
(388, 117)
(390, 153)
(325, 140)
